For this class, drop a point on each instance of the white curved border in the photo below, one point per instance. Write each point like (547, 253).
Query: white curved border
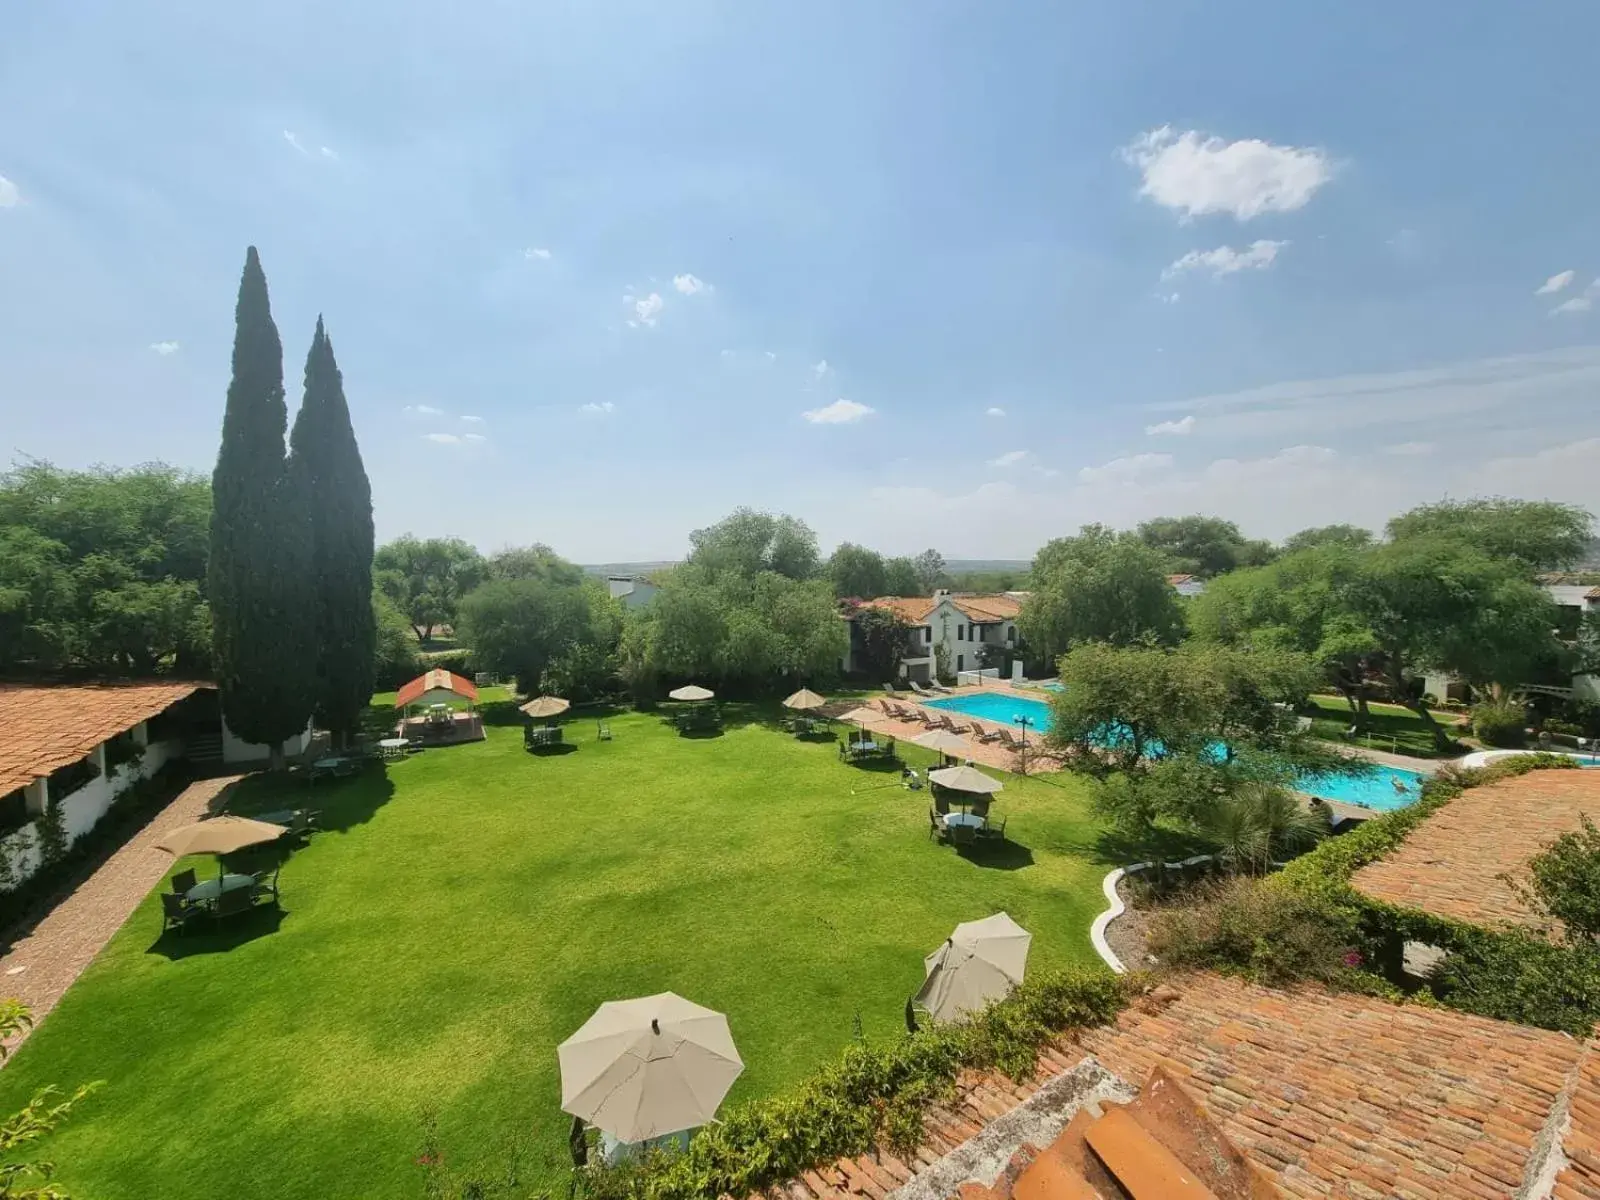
(1482, 758)
(1115, 907)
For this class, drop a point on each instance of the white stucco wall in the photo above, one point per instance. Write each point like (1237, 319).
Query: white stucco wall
(236, 750)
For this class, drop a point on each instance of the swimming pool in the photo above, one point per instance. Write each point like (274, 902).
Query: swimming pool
(1383, 788)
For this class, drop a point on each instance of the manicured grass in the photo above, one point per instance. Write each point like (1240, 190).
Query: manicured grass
(467, 909)
(1392, 727)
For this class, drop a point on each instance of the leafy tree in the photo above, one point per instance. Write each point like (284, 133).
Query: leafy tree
(521, 626)
(260, 562)
(1349, 537)
(1565, 883)
(857, 572)
(1438, 603)
(1260, 824)
(882, 636)
(900, 578)
(340, 502)
(395, 656)
(426, 578)
(929, 566)
(1203, 546)
(22, 1176)
(1100, 586)
(532, 562)
(747, 543)
(1539, 535)
(1586, 650)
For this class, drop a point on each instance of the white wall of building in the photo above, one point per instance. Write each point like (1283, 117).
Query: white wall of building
(236, 750)
(634, 593)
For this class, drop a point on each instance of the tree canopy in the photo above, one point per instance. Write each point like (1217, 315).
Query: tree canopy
(929, 566)
(426, 578)
(1539, 535)
(855, 571)
(521, 626)
(1351, 537)
(900, 578)
(747, 542)
(1100, 586)
(1203, 546)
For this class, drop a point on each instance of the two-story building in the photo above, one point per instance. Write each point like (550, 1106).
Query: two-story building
(948, 631)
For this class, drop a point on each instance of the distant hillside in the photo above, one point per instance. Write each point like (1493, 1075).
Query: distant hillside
(955, 566)
(631, 568)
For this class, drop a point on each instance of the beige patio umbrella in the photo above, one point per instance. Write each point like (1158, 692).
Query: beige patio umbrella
(691, 691)
(645, 1068)
(980, 962)
(219, 835)
(804, 701)
(860, 716)
(546, 706)
(966, 779)
(943, 741)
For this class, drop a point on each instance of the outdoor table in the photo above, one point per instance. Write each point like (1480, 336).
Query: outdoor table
(393, 747)
(337, 765)
(865, 747)
(963, 818)
(208, 890)
(282, 816)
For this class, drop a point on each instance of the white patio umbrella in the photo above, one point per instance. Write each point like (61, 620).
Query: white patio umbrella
(546, 706)
(860, 716)
(804, 701)
(966, 779)
(645, 1068)
(690, 691)
(943, 741)
(980, 962)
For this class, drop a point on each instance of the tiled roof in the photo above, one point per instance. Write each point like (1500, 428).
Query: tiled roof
(436, 678)
(914, 609)
(1350, 1096)
(45, 728)
(1592, 594)
(996, 606)
(1453, 863)
(1580, 1179)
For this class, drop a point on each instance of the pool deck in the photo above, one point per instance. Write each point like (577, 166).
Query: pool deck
(990, 754)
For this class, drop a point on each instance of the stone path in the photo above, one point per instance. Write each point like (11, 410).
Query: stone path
(43, 965)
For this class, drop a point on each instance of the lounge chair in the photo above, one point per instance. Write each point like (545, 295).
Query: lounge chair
(1006, 740)
(918, 688)
(941, 689)
(985, 733)
(889, 690)
(949, 726)
(888, 706)
(177, 912)
(182, 882)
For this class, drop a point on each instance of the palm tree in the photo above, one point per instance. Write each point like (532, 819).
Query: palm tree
(1258, 823)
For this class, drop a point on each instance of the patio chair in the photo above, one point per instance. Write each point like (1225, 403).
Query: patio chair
(941, 801)
(182, 882)
(177, 912)
(949, 726)
(266, 884)
(918, 688)
(980, 807)
(935, 826)
(995, 833)
(232, 903)
(889, 689)
(940, 688)
(602, 732)
(985, 733)
(1007, 740)
(962, 835)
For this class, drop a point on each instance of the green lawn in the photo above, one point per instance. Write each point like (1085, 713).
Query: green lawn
(1391, 727)
(467, 909)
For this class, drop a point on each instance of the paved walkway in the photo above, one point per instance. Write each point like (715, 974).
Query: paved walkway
(990, 754)
(44, 964)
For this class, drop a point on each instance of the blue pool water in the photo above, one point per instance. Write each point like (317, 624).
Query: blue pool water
(1382, 788)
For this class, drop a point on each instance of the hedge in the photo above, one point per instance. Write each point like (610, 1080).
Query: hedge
(872, 1093)
(458, 660)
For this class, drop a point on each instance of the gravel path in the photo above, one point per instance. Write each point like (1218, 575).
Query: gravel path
(43, 965)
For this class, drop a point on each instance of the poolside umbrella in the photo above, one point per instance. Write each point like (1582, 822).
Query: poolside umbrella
(691, 691)
(219, 836)
(980, 962)
(941, 740)
(966, 779)
(804, 701)
(860, 716)
(546, 706)
(642, 1069)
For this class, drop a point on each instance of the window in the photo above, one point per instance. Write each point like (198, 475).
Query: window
(927, 633)
(961, 662)
(972, 632)
(961, 632)
(14, 811)
(1011, 634)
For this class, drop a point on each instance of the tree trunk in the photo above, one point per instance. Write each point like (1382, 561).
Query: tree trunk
(275, 761)
(1419, 705)
(422, 632)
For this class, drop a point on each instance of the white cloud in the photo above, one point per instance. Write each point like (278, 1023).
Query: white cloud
(772, 356)
(295, 142)
(597, 409)
(1225, 260)
(9, 195)
(424, 410)
(1198, 175)
(1555, 283)
(994, 412)
(328, 153)
(1410, 449)
(538, 252)
(444, 439)
(1170, 298)
(1564, 472)
(473, 420)
(164, 348)
(820, 368)
(1009, 459)
(840, 412)
(648, 309)
(1120, 470)
(1578, 304)
(1180, 428)
(473, 437)
(690, 284)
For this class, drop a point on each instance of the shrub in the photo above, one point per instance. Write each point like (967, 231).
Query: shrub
(458, 660)
(1522, 978)
(1500, 723)
(1566, 882)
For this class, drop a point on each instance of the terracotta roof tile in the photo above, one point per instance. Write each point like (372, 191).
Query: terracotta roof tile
(996, 606)
(43, 729)
(914, 609)
(1453, 864)
(437, 678)
(1346, 1095)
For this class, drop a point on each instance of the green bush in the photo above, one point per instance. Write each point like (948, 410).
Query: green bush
(1501, 723)
(872, 1093)
(458, 660)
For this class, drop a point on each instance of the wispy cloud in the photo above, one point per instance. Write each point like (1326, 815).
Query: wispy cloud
(1225, 260)
(164, 348)
(1120, 469)
(1180, 428)
(994, 411)
(444, 439)
(1555, 283)
(1009, 459)
(472, 420)
(597, 408)
(295, 142)
(473, 437)
(840, 412)
(646, 310)
(690, 284)
(424, 410)
(772, 355)
(725, 354)
(10, 195)
(1198, 175)
(820, 368)
(1578, 304)
(537, 252)
(330, 154)
(1410, 449)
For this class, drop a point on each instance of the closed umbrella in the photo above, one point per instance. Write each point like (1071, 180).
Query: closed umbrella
(546, 706)
(804, 701)
(645, 1068)
(941, 740)
(691, 691)
(980, 962)
(966, 779)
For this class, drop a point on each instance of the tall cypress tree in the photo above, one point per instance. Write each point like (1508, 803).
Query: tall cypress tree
(260, 540)
(327, 460)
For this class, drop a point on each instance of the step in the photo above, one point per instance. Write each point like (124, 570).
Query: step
(1145, 1168)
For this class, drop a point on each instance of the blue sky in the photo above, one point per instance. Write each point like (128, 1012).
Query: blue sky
(921, 273)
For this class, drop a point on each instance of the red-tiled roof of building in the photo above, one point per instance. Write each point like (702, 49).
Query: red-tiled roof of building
(989, 607)
(1175, 580)
(1336, 1094)
(914, 609)
(43, 729)
(437, 678)
(1454, 864)
(1592, 594)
